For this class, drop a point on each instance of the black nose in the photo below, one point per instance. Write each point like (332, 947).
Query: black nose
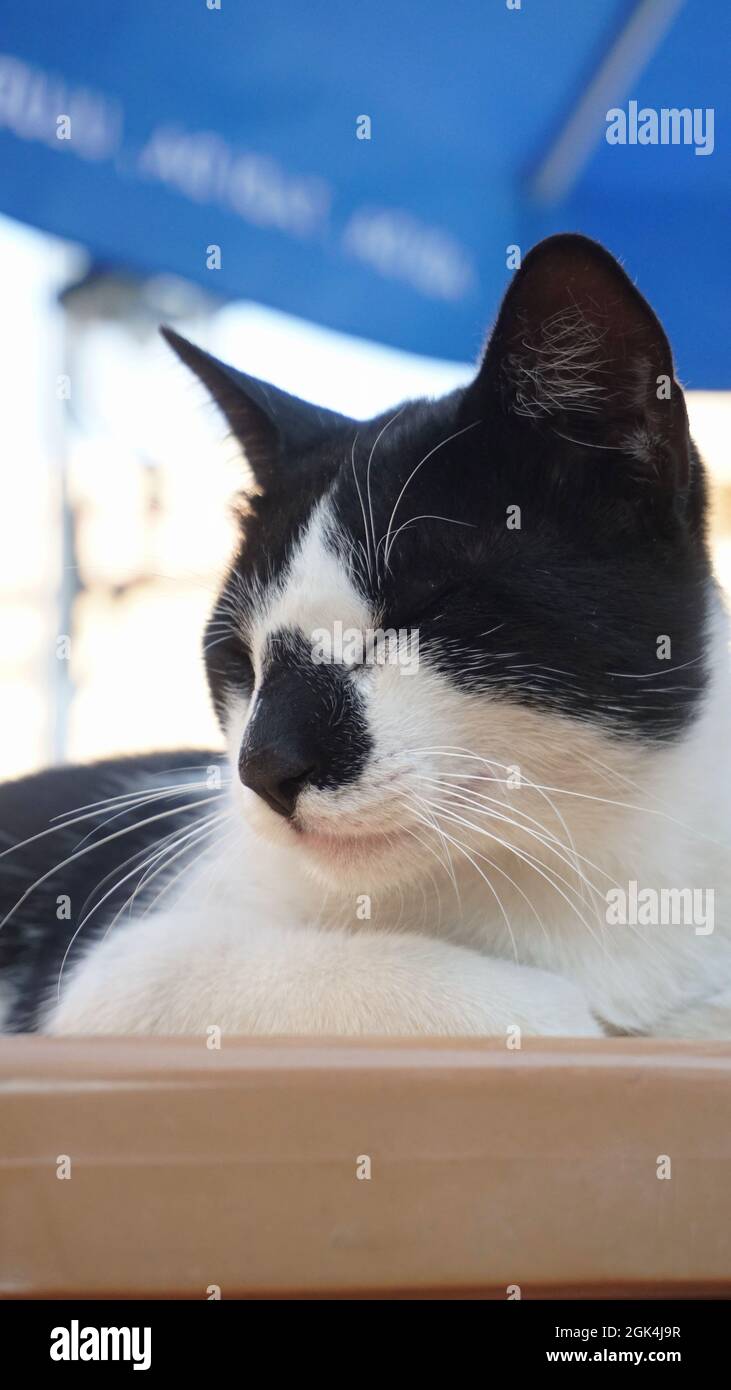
(276, 773)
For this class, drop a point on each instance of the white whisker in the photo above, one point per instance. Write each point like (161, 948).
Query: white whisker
(98, 904)
(387, 547)
(161, 815)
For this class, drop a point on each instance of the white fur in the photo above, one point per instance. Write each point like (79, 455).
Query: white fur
(265, 934)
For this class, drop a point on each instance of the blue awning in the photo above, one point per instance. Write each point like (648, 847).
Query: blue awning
(193, 128)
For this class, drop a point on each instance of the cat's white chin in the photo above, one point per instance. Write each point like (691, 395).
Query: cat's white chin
(351, 857)
(360, 862)
(349, 849)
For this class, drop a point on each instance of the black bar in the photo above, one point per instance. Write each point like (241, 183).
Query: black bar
(341, 1339)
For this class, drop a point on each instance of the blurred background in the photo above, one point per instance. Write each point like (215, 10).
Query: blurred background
(333, 198)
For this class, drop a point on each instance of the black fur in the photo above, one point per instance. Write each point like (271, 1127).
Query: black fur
(34, 937)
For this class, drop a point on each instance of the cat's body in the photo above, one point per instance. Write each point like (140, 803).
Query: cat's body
(433, 843)
(263, 919)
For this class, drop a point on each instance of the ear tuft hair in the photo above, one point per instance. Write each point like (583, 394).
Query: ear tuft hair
(561, 371)
(577, 349)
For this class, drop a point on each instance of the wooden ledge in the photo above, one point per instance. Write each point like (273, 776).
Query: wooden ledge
(238, 1169)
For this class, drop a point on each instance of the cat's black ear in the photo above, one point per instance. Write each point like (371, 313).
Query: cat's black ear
(578, 352)
(271, 426)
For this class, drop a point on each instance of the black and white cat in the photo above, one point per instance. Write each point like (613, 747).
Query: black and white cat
(425, 838)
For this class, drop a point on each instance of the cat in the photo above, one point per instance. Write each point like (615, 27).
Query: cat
(430, 834)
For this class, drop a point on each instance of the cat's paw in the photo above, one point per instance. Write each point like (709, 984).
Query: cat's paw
(709, 1019)
(299, 981)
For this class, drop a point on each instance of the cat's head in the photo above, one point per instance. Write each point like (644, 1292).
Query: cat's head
(437, 611)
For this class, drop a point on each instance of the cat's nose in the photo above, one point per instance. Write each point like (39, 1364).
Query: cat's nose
(277, 773)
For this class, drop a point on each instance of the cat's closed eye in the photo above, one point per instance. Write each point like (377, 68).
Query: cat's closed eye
(230, 658)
